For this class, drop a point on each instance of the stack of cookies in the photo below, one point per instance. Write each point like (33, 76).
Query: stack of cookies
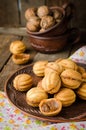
(17, 48)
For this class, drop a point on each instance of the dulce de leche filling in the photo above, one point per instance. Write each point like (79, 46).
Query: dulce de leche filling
(49, 106)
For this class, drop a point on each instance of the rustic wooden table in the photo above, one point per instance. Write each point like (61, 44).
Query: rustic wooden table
(11, 29)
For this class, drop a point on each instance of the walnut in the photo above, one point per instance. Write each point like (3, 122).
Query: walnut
(47, 22)
(42, 30)
(30, 12)
(31, 27)
(43, 11)
(57, 14)
(33, 23)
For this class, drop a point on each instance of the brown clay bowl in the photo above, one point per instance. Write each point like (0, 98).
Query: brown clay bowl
(58, 29)
(54, 44)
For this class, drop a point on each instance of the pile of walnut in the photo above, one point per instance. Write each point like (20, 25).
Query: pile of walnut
(63, 79)
(17, 48)
(41, 18)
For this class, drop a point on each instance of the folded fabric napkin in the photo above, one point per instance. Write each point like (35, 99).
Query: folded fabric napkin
(12, 118)
(80, 55)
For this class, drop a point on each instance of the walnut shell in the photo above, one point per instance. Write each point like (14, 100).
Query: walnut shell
(22, 82)
(35, 20)
(30, 12)
(39, 67)
(66, 96)
(43, 11)
(50, 107)
(81, 91)
(31, 27)
(51, 83)
(71, 78)
(35, 95)
(47, 22)
(20, 58)
(17, 47)
(57, 14)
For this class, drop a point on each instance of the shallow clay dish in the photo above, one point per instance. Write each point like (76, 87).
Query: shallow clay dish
(76, 112)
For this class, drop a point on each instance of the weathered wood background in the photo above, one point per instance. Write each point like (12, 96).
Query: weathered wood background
(12, 27)
(11, 16)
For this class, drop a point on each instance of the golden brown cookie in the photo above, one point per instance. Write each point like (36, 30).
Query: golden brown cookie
(68, 64)
(66, 96)
(35, 95)
(81, 69)
(84, 77)
(39, 68)
(51, 82)
(22, 82)
(50, 107)
(17, 47)
(81, 91)
(20, 58)
(71, 78)
(53, 66)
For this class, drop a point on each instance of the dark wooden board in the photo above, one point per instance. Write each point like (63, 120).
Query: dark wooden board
(8, 13)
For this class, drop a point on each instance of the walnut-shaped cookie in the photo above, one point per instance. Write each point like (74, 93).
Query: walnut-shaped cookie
(43, 11)
(23, 82)
(53, 66)
(51, 82)
(39, 67)
(50, 106)
(81, 69)
(17, 47)
(20, 58)
(81, 91)
(84, 77)
(68, 64)
(66, 96)
(71, 78)
(35, 95)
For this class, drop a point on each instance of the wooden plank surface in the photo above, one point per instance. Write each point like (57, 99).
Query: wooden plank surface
(5, 41)
(6, 63)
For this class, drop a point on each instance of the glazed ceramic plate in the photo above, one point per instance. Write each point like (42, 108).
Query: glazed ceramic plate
(76, 112)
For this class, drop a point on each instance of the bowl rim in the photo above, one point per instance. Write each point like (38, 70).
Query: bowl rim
(49, 29)
(67, 33)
